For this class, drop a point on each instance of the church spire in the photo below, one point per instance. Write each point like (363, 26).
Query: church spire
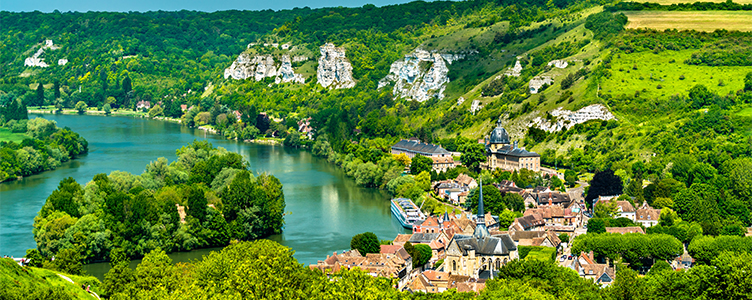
(480, 224)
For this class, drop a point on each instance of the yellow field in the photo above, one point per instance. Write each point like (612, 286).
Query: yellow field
(686, 20)
(669, 2)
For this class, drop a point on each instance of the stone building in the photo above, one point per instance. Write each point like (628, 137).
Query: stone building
(502, 154)
(479, 255)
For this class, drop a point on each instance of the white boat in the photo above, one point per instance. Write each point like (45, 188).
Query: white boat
(407, 212)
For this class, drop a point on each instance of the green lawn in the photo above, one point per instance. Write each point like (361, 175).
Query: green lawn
(15, 279)
(7, 136)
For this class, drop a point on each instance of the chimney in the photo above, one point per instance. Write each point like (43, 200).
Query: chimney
(515, 144)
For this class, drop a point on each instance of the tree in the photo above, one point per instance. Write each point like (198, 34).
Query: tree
(513, 201)
(568, 81)
(668, 217)
(425, 254)
(68, 261)
(155, 111)
(197, 202)
(564, 237)
(107, 109)
(506, 218)
(81, 107)
(606, 210)
(473, 154)
(420, 163)
(492, 200)
(365, 243)
(604, 183)
(127, 84)
(634, 189)
(699, 203)
(39, 101)
(56, 89)
(120, 274)
(292, 140)
(595, 225)
(403, 159)
(570, 177)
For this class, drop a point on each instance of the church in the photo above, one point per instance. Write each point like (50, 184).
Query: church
(508, 156)
(479, 255)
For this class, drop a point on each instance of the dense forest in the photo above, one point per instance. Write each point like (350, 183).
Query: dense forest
(205, 198)
(44, 145)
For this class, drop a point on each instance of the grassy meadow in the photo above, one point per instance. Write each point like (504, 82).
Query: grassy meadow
(7, 136)
(646, 70)
(690, 20)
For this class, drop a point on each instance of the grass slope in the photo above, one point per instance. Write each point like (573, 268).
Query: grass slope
(666, 69)
(17, 282)
(691, 20)
(7, 136)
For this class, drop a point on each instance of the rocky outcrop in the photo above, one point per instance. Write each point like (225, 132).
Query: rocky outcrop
(36, 60)
(421, 75)
(263, 66)
(537, 82)
(515, 71)
(563, 118)
(561, 64)
(334, 70)
(286, 72)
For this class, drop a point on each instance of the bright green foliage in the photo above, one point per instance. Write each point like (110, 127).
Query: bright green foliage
(47, 148)
(605, 24)
(632, 247)
(493, 201)
(705, 248)
(424, 254)
(539, 278)
(473, 154)
(21, 283)
(420, 163)
(699, 203)
(81, 107)
(139, 213)
(365, 243)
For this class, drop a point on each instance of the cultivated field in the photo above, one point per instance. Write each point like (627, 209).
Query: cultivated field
(669, 2)
(686, 20)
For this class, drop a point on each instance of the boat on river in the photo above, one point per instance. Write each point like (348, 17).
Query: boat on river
(407, 212)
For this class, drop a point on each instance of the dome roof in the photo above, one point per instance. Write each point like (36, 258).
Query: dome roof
(499, 135)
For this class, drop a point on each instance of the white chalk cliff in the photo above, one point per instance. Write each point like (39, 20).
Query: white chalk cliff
(334, 70)
(37, 61)
(567, 119)
(412, 82)
(263, 66)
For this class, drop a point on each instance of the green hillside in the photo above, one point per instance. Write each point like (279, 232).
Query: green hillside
(17, 282)
(672, 92)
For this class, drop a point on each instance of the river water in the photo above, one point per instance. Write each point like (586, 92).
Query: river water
(324, 209)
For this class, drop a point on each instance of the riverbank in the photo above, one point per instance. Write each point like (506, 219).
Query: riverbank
(130, 113)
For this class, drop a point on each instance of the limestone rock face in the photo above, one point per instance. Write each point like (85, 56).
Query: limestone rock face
(286, 72)
(537, 82)
(515, 71)
(334, 70)
(263, 66)
(567, 119)
(561, 64)
(36, 60)
(421, 75)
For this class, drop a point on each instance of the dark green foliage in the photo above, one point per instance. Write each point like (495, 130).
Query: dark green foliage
(137, 214)
(568, 81)
(605, 24)
(424, 252)
(706, 248)
(547, 278)
(604, 183)
(493, 201)
(699, 203)
(570, 177)
(596, 225)
(473, 154)
(365, 243)
(632, 247)
(68, 261)
(420, 163)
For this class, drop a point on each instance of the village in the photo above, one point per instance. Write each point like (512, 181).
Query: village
(469, 245)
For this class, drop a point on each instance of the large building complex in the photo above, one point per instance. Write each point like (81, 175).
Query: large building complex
(502, 154)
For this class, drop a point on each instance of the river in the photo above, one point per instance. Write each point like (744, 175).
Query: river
(324, 208)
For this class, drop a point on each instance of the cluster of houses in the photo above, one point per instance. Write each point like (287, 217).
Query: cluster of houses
(644, 215)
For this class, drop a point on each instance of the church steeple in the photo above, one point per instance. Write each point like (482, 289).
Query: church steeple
(480, 224)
